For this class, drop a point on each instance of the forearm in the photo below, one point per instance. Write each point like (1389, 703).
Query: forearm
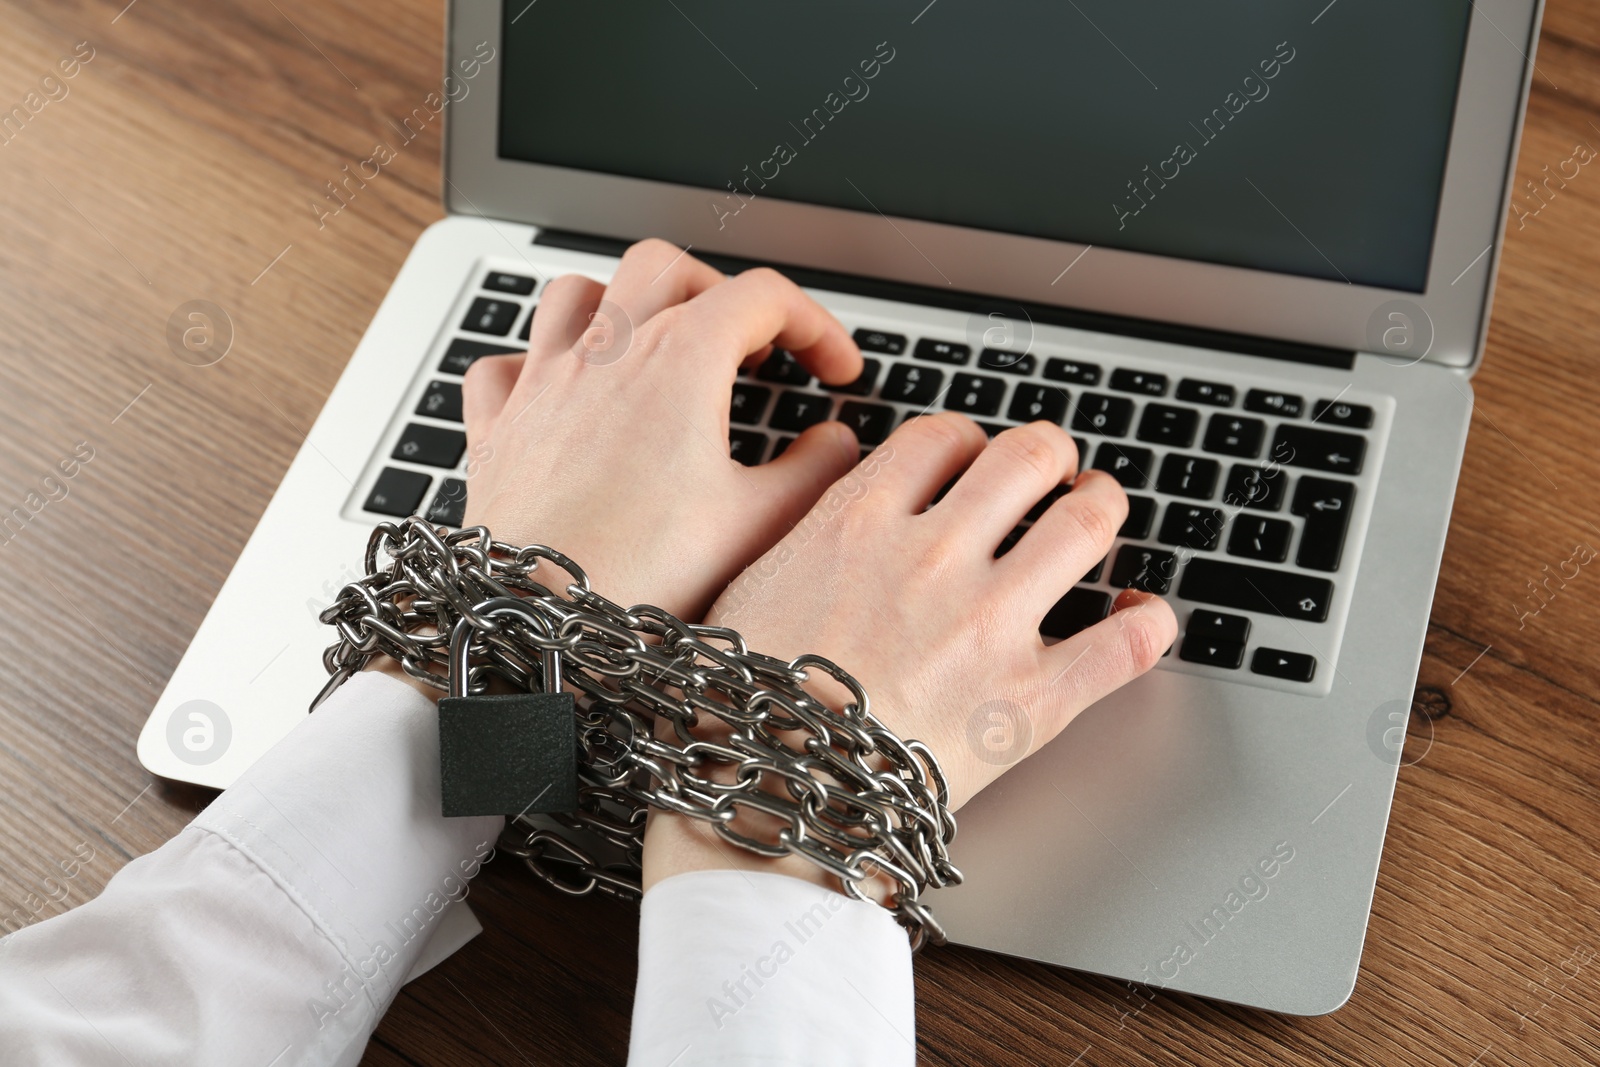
(281, 923)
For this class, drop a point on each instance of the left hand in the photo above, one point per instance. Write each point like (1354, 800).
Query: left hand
(613, 449)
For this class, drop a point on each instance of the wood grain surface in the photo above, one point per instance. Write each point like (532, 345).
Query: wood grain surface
(180, 165)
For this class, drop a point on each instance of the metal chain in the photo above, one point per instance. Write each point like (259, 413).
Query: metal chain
(856, 799)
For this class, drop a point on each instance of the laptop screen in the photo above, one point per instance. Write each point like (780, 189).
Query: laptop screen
(1305, 138)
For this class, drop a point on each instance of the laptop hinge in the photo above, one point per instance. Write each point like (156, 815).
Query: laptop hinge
(878, 288)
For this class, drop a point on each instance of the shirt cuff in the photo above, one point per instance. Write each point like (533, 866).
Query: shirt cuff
(343, 814)
(740, 967)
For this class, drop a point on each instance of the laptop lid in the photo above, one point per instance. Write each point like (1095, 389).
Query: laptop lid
(1331, 174)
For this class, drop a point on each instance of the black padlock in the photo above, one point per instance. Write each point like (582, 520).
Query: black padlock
(506, 754)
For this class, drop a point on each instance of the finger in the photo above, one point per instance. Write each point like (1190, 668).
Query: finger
(819, 458)
(1018, 468)
(655, 275)
(922, 455)
(1098, 661)
(1070, 537)
(564, 313)
(762, 307)
(485, 390)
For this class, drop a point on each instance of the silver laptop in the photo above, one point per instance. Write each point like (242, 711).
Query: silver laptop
(1243, 253)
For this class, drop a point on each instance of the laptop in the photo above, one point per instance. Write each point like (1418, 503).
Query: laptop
(1244, 253)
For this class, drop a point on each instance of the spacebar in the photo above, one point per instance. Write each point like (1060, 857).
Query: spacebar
(1234, 585)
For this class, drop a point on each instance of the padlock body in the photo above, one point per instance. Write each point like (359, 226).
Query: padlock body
(508, 754)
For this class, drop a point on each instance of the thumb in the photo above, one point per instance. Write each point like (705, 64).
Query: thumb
(818, 457)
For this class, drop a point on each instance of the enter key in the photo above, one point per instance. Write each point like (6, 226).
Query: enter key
(1325, 504)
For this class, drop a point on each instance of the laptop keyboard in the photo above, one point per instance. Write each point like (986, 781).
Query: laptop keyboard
(1247, 501)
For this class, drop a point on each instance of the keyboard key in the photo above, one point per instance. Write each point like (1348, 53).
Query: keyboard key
(1256, 537)
(491, 316)
(1128, 465)
(799, 411)
(1198, 392)
(432, 446)
(397, 492)
(1076, 612)
(1219, 627)
(1082, 446)
(1188, 476)
(783, 443)
(1255, 487)
(1320, 450)
(1326, 506)
(783, 369)
(1007, 362)
(1147, 569)
(1036, 512)
(462, 353)
(889, 344)
(527, 325)
(1098, 413)
(1299, 597)
(975, 395)
(1338, 413)
(1192, 527)
(449, 505)
(441, 401)
(507, 283)
(749, 403)
(1141, 517)
(1093, 573)
(911, 384)
(1033, 401)
(1234, 435)
(1211, 651)
(1164, 424)
(1072, 370)
(746, 446)
(1286, 404)
(991, 428)
(871, 422)
(863, 384)
(942, 351)
(1275, 663)
(1138, 381)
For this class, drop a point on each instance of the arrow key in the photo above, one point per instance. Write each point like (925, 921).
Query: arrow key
(1275, 663)
(1213, 652)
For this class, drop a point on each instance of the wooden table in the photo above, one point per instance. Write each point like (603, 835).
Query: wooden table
(182, 165)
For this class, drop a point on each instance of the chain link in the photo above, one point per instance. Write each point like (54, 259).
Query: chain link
(844, 792)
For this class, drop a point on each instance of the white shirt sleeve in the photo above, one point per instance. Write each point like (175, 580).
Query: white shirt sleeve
(745, 968)
(277, 928)
(279, 925)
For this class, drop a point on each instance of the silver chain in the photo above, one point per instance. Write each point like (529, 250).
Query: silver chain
(857, 800)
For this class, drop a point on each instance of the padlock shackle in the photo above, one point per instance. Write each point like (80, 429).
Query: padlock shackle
(461, 641)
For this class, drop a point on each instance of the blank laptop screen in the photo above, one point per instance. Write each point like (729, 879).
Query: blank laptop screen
(1304, 138)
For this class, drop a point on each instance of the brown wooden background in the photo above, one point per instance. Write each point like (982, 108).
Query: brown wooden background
(182, 164)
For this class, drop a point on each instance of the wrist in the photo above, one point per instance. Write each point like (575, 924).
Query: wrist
(678, 844)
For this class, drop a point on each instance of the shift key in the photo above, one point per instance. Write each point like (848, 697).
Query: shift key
(1234, 585)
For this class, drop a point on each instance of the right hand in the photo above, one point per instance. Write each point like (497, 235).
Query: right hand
(911, 600)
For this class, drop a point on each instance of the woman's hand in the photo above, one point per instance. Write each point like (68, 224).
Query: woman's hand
(609, 440)
(911, 600)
